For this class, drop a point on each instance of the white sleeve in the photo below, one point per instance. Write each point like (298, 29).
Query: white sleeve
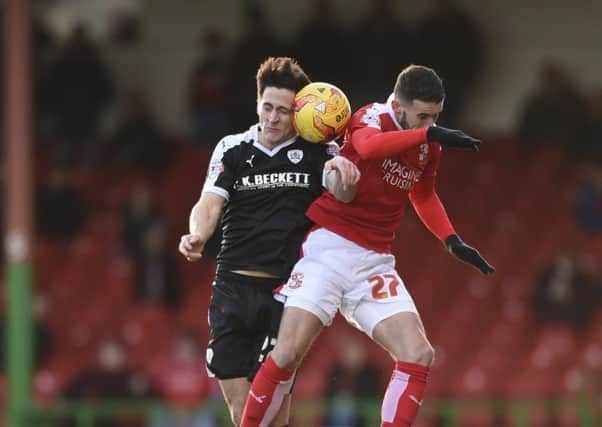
(332, 149)
(215, 169)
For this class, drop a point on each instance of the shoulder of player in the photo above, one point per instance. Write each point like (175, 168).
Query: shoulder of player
(368, 115)
(236, 142)
(375, 108)
(330, 147)
(247, 137)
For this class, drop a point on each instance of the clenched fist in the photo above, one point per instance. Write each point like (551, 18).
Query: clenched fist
(191, 246)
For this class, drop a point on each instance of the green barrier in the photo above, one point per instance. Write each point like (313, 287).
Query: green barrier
(86, 413)
(307, 412)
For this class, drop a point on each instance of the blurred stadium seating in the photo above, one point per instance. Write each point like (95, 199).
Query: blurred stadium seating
(487, 343)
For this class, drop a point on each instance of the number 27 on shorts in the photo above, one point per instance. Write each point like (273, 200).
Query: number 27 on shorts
(384, 286)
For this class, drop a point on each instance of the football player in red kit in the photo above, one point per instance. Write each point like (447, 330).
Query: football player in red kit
(347, 263)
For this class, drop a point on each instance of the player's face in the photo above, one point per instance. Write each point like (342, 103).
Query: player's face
(275, 112)
(417, 114)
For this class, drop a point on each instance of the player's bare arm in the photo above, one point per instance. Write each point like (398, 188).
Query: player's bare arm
(342, 178)
(203, 220)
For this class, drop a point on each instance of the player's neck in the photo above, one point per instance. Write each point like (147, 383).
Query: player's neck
(268, 145)
(271, 145)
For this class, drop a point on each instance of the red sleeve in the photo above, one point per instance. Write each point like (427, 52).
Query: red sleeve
(428, 206)
(371, 143)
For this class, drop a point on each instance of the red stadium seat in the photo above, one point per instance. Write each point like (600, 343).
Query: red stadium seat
(146, 329)
(545, 364)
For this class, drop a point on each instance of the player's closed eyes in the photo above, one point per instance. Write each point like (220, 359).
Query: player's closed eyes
(282, 110)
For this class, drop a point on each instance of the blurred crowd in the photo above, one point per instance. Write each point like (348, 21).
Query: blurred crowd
(83, 125)
(226, 69)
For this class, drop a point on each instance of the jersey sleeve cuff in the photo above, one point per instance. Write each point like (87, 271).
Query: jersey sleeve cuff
(219, 191)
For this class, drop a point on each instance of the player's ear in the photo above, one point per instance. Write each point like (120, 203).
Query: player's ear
(396, 106)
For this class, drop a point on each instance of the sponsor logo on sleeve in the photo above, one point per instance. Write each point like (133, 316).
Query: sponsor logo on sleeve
(371, 118)
(332, 149)
(424, 154)
(215, 168)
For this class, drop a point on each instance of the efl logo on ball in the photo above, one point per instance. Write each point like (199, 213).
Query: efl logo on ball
(321, 112)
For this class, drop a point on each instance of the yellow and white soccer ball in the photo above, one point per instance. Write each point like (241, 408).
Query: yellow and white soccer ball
(321, 112)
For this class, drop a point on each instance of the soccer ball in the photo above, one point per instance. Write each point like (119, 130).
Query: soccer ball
(321, 112)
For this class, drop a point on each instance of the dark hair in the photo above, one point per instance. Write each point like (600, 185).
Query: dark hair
(281, 72)
(419, 82)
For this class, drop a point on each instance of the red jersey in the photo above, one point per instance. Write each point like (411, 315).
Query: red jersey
(377, 211)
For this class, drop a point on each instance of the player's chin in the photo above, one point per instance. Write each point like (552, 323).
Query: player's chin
(274, 133)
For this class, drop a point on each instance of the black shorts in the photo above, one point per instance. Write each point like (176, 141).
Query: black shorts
(243, 321)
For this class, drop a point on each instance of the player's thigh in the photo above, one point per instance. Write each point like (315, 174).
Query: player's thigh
(315, 286)
(381, 306)
(265, 329)
(376, 295)
(235, 392)
(298, 330)
(314, 289)
(404, 337)
(233, 347)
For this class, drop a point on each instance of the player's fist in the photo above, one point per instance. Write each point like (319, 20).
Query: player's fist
(350, 174)
(467, 254)
(452, 138)
(191, 246)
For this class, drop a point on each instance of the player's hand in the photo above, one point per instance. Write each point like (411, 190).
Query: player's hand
(191, 246)
(452, 138)
(467, 254)
(350, 174)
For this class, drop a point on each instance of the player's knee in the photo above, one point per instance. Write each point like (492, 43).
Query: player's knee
(287, 356)
(422, 354)
(425, 354)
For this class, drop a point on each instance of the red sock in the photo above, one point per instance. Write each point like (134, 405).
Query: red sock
(404, 395)
(266, 394)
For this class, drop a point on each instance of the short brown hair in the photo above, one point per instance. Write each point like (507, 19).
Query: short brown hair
(419, 82)
(281, 72)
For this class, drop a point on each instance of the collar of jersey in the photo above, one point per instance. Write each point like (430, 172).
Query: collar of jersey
(266, 150)
(391, 112)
